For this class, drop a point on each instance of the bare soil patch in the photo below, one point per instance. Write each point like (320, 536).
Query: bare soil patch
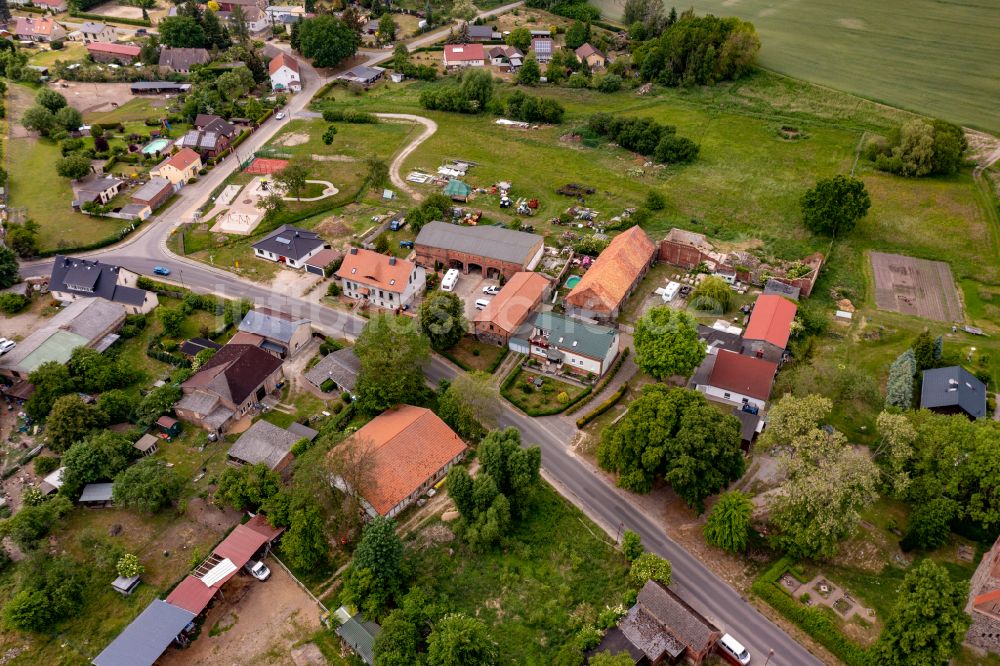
(916, 287)
(293, 139)
(94, 97)
(115, 10)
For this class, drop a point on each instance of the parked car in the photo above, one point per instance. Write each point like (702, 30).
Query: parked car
(6, 345)
(161, 270)
(257, 569)
(733, 649)
(482, 303)
(406, 244)
(491, 290)
(279, 115)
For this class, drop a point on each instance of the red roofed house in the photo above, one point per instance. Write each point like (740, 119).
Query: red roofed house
(381, 280)
(44, 29)
(124, 54)
(736, 379)
(769, 327)
(984, 602)
(499, 320)
(179, 168)
(464, 55)
(284, 71)
(411, 450)
(615, 274)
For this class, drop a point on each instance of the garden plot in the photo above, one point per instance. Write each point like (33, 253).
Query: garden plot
(915, 286)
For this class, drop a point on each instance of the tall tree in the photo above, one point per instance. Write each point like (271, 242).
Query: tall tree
(929, 621)
(304, 544)
(148, 486)
(459, 639)
(835, 205)
(238, 20)
(247, 487)
(98, 458)
(10, 273)
(51, 380)
(470, 404)
(327, 40)
(70, 421)
(728, 525)
(530, 73)
(515, 470)
(392, 351)
(4, 12)
(650, 566)
(713, 295)
(442, 319)
(182, 32)
(667, 344)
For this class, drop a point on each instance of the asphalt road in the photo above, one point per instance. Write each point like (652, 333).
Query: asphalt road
(576, 479)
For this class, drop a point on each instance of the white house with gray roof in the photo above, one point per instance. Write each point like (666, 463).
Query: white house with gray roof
(92, 31)
(568, 344)
(289, 245)
(283, 334)
(73, 279)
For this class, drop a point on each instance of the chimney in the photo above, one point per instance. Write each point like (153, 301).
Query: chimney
(354, 250)
(392, 261)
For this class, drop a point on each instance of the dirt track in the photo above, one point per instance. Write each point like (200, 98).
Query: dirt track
(429, 128)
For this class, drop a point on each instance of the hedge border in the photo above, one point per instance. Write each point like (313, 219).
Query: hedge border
(142, 23)
(603, 407)
(604, 381)
(509, 381)
(813, 621)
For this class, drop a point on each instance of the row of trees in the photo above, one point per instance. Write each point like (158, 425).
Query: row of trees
(646, 137)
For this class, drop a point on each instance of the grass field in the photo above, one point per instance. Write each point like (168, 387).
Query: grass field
(934, 57)
(71, 52)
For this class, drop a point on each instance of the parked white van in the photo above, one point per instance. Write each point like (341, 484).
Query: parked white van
(734, 648)
(482, 303)
(450, 280)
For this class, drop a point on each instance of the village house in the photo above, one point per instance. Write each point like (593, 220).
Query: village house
(482, 33)
(263, 443)
(561, 343)
(290, 246)
(154, 193)
(953, 390)
(73, 279)
(464, 55)
(282, 334)
(380, 280)
(89, 322)
(179, 168)
(592, 57)
(95, 189)
(409, 449)
(493, 251)
(362, 75)
(54, 6)
(230, 5)
(508, 58)
(181, 60)
(255, 19)
(614, 275)
(284, 72)
(209, 139)
(769, 328)
(123, 54)
(508, 310)
(41, 29)
(661, 629)
(278, 12)
(735, 379)
(984, 603)
(228, 386)
(341, 368)
(543, 48)
(92, 31)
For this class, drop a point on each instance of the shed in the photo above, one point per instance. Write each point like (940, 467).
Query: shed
(358, 634)
(457, 190)
(96, 495)
(317, 263)
(169, 425)
(52, 482)
(125, 586)
(148, 444)
(264, 443)
(341, 367)
(145, 639)
(303, 431)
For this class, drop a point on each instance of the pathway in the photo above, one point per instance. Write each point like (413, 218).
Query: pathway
(394, 168)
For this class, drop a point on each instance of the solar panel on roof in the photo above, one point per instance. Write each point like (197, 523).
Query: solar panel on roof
(283, 240)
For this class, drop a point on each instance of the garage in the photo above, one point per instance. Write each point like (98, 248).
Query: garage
(318, 263)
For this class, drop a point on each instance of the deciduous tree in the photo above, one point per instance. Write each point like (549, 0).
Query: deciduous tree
(51, 380)
(519, 38)
(73, 167)
(247, 487)
(304, 544)
(147, 486)
(835, 205)
(392, 351)
(70, 420)
(39, 119)
(459, 639)
(650, 566)
(728, 525)
(100, 457)
(667, 344)
(172, 320)
(293, 177)
(442, 319)
(530, 73)
(712, 295)
(327, 40)
(632, 546)
(50, 99)
(10, 273)
(470, 404)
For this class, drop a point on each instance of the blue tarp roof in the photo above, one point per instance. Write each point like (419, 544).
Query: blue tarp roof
(143, 641)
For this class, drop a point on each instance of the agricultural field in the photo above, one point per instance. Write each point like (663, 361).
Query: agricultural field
(932, 57)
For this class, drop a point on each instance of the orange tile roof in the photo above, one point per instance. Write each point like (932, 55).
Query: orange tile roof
(372, 268)
(283, 59)
(607, 283)
(771, 320)
(987, 600)
(182, 159)
(409, 446)
(514, 303)
(464, 52)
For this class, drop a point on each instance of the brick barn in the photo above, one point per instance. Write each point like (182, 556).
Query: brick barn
(493, 251)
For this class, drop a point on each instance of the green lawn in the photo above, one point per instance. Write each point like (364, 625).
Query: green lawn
(929, 56)
(356, 141)
(475, 354)
(531, 399)
(135, 110)
(555, 572)
(72, 51)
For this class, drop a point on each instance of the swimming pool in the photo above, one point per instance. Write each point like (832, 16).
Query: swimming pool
(572, 281)
(155, 146)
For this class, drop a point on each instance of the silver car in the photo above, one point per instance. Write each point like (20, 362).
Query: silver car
(258, 570)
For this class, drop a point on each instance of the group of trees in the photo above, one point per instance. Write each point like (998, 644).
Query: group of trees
(327, 40)
(51, 115)
(194, 27)
(470, 92)
(698, 50)
(87, 371)
(677, 435)
(401, 63)
(434, 207)
(647, 19)
(920, 148)
(530, 109)
(646, 137)
(221, 94)
(501, 493)
(442, 319)
(667, 344)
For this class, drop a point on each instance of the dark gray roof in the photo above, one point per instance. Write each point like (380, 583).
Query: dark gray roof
(302, 431)
(481, 31)
(748, 424)
(182, 60)
(485, 241)
(85, 277)
(92, 27)
(96, 492)
(264, 443)
(360, 635)
(97, 184)
(274, 326)
(362, 73)
(713, 337)
(953, 386)
(152, 189)
(342, 366)
(779, 288)
(194, 345)
(575, 336)
(661, 623)
(144, 640)
(291, 242)
(144, 86)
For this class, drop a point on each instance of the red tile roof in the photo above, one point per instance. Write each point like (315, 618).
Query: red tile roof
(514, 303)
(240, 545)
(182, 159)
(372, 268)
(283, 59)
(464, 52)
(743, 374)
(116, 49)
(410, 445)
(771, 320)
(607, 283)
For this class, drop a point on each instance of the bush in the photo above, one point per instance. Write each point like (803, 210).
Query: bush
(46, 465)
(11, 304)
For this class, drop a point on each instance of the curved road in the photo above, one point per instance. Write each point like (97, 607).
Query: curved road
(574, 478)
(397, 162)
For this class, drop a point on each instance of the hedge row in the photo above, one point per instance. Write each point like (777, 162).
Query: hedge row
(551, 411)
(454, 359)
(605, 380)
(143, 23)
(813, 621)
(603, 407)
(32, 9)
(499, 359)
